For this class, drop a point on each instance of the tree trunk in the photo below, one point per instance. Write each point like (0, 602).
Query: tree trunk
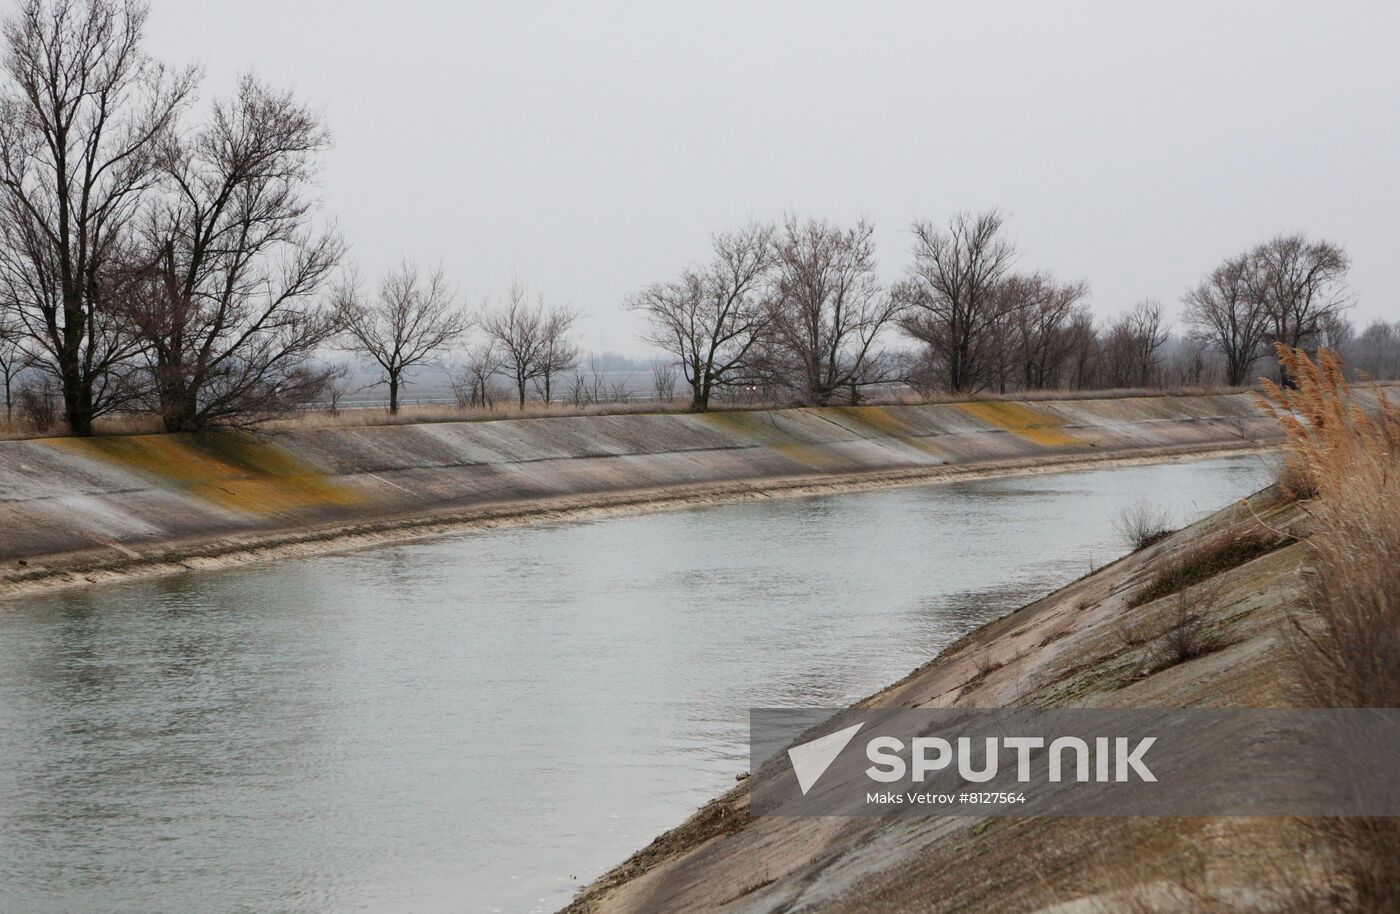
(700, 399)
(77, 402)
(393, 393)
(179, 408)
(182, 416)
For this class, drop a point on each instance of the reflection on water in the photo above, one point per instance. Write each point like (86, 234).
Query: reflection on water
(485, 722)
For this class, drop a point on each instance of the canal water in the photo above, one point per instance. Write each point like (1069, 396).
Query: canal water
(485, 722)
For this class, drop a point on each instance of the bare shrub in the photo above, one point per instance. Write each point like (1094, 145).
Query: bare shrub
(1142, 524)
(1188, 634)
(38, 403)
(1133, 632)
(663, 380)
(983, 666)
(1207, 557)
(473, 385)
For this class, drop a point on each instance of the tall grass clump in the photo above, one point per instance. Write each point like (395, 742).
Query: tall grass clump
(1142, 524)
(1344, 444)
(1348, 451)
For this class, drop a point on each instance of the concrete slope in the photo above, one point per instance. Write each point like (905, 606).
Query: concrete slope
(89, 505)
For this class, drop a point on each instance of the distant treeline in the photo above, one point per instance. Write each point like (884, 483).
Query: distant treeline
(151, 263)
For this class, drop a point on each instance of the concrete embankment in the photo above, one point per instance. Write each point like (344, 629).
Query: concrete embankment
(82, 510)
(1097, 643)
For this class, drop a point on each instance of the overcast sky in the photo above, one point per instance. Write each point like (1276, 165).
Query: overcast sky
(591, 148)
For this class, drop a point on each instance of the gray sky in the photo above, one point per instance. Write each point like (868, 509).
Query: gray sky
(590, 148)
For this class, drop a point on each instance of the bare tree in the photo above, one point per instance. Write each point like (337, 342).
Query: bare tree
(13, 358)
(532, 341)
(1040, 314)
(79, 128)
(409, 321)
(663, 380)
(713, 317)
(517, 329)
(472, 385)
(230, 318)
(558, 353)
(830, 309)
(951, 293)
(586, 389)
(1227, 308)
(1189, 362)
(1302, 285)
(1132, 345)
(1376, 351)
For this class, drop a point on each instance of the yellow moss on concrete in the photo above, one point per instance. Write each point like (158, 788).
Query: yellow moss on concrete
(231, 469)
(1021, 420)
(885, 424)
(813, 456)
(745, 422)
(877, 418)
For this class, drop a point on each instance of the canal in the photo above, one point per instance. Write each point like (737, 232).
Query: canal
(486, 722)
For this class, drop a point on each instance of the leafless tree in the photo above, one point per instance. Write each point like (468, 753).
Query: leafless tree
(830, 309)
(1040, 313)
(230, 318)
(1228, 309)
(532, 341)
(38, 401)
(1085, 355)
(663, 380)
(1302, 285)
(558, 353)
(1375, 353)
(1189, 362)
(714, 316)
(335, 390)
(410, 320)
(951, 293)
(587, 388)
(13, 358)
(472, 385)
(517, 330)
(80, 122)
(1133, 343)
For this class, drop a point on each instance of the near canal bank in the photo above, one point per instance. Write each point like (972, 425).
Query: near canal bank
(1199, 619)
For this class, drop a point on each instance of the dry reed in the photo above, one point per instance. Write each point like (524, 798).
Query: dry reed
(1346, 451)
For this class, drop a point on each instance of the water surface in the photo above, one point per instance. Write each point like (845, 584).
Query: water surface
(485, 722)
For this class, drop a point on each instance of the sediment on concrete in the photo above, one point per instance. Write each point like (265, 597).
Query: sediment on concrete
(81, 510)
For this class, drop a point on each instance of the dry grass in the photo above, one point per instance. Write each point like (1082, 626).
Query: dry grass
(1348, 456)
(1208, 557)
(1143, 524)
(114, 424)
